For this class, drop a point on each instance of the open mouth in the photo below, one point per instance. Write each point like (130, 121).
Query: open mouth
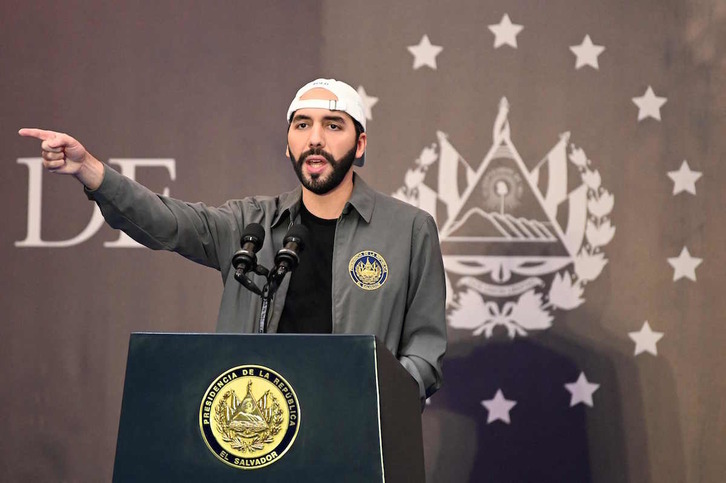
(316, 164)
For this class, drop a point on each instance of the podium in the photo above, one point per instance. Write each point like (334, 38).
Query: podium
(267, 408)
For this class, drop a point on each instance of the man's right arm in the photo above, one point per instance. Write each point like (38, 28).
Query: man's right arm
(190, 229)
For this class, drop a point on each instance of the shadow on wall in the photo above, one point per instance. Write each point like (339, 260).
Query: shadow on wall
(546, 440)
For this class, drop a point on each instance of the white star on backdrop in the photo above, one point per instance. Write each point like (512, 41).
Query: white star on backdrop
(684, 179)
(587, 53)
(645, 339)
(684, 265)
(581, 391)
(505, 32)
(368, 102)
(649, 104)
(424, 53)
(498, 407)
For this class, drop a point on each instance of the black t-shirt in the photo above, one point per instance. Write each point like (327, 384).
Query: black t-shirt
(309, 304)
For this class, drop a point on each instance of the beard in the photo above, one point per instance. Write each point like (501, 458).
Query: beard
(319, 183)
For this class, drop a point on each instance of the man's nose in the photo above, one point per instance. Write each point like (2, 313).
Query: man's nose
(317, 136)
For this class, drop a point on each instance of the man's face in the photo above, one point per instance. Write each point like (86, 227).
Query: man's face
(322, 146)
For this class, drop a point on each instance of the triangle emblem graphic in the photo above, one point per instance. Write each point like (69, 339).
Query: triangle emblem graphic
(502, 213)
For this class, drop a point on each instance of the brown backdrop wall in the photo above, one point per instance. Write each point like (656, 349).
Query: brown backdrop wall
(207, 85)
(196, 82)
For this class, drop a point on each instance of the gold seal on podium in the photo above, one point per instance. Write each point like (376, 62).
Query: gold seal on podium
(249, 417)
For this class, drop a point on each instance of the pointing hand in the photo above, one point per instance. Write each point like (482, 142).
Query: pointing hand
(63, 154)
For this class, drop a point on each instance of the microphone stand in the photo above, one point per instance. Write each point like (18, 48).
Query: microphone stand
(266, 298)
(266, 293)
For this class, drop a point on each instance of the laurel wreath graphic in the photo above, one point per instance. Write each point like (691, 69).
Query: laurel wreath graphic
(591, 260)
(240, 440)
(414, 177)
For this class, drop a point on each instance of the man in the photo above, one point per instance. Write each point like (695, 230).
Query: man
(372, 264)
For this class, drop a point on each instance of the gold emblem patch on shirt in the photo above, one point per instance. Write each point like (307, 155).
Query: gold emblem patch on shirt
(368, 270)
(249, 417)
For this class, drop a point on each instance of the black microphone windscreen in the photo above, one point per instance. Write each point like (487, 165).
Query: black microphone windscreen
(298, 231)
(254, 231)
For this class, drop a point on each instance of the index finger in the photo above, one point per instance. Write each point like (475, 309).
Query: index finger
(41, 134)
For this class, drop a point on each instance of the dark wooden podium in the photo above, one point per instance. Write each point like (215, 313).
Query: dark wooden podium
(357, 415)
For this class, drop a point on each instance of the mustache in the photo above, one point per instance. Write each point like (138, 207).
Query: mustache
(318, 152)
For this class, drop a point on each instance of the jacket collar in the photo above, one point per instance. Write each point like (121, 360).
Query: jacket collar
(288, 202)
(363, 200)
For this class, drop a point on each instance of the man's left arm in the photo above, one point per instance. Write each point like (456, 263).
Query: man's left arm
(423, 341)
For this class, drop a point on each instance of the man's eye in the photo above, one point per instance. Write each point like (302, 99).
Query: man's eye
(334, 127)
(302, 125)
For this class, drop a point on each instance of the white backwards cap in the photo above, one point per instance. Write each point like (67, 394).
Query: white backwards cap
(349, 101)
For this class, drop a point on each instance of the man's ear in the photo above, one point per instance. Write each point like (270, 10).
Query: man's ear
(287, 151)
(361, 145)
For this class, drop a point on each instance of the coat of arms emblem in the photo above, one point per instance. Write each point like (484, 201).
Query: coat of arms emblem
(368, 270)
(519, 242)
(256, 429)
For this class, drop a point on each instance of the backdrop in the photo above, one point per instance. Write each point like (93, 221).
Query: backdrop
(570, 152)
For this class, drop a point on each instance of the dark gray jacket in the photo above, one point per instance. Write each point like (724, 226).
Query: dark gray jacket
(406, 312)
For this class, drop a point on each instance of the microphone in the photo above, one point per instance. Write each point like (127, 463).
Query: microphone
(245, 259)
(288, 257)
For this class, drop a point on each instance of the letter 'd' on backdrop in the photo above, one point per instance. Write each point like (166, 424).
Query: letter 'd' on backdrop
(127, 167)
